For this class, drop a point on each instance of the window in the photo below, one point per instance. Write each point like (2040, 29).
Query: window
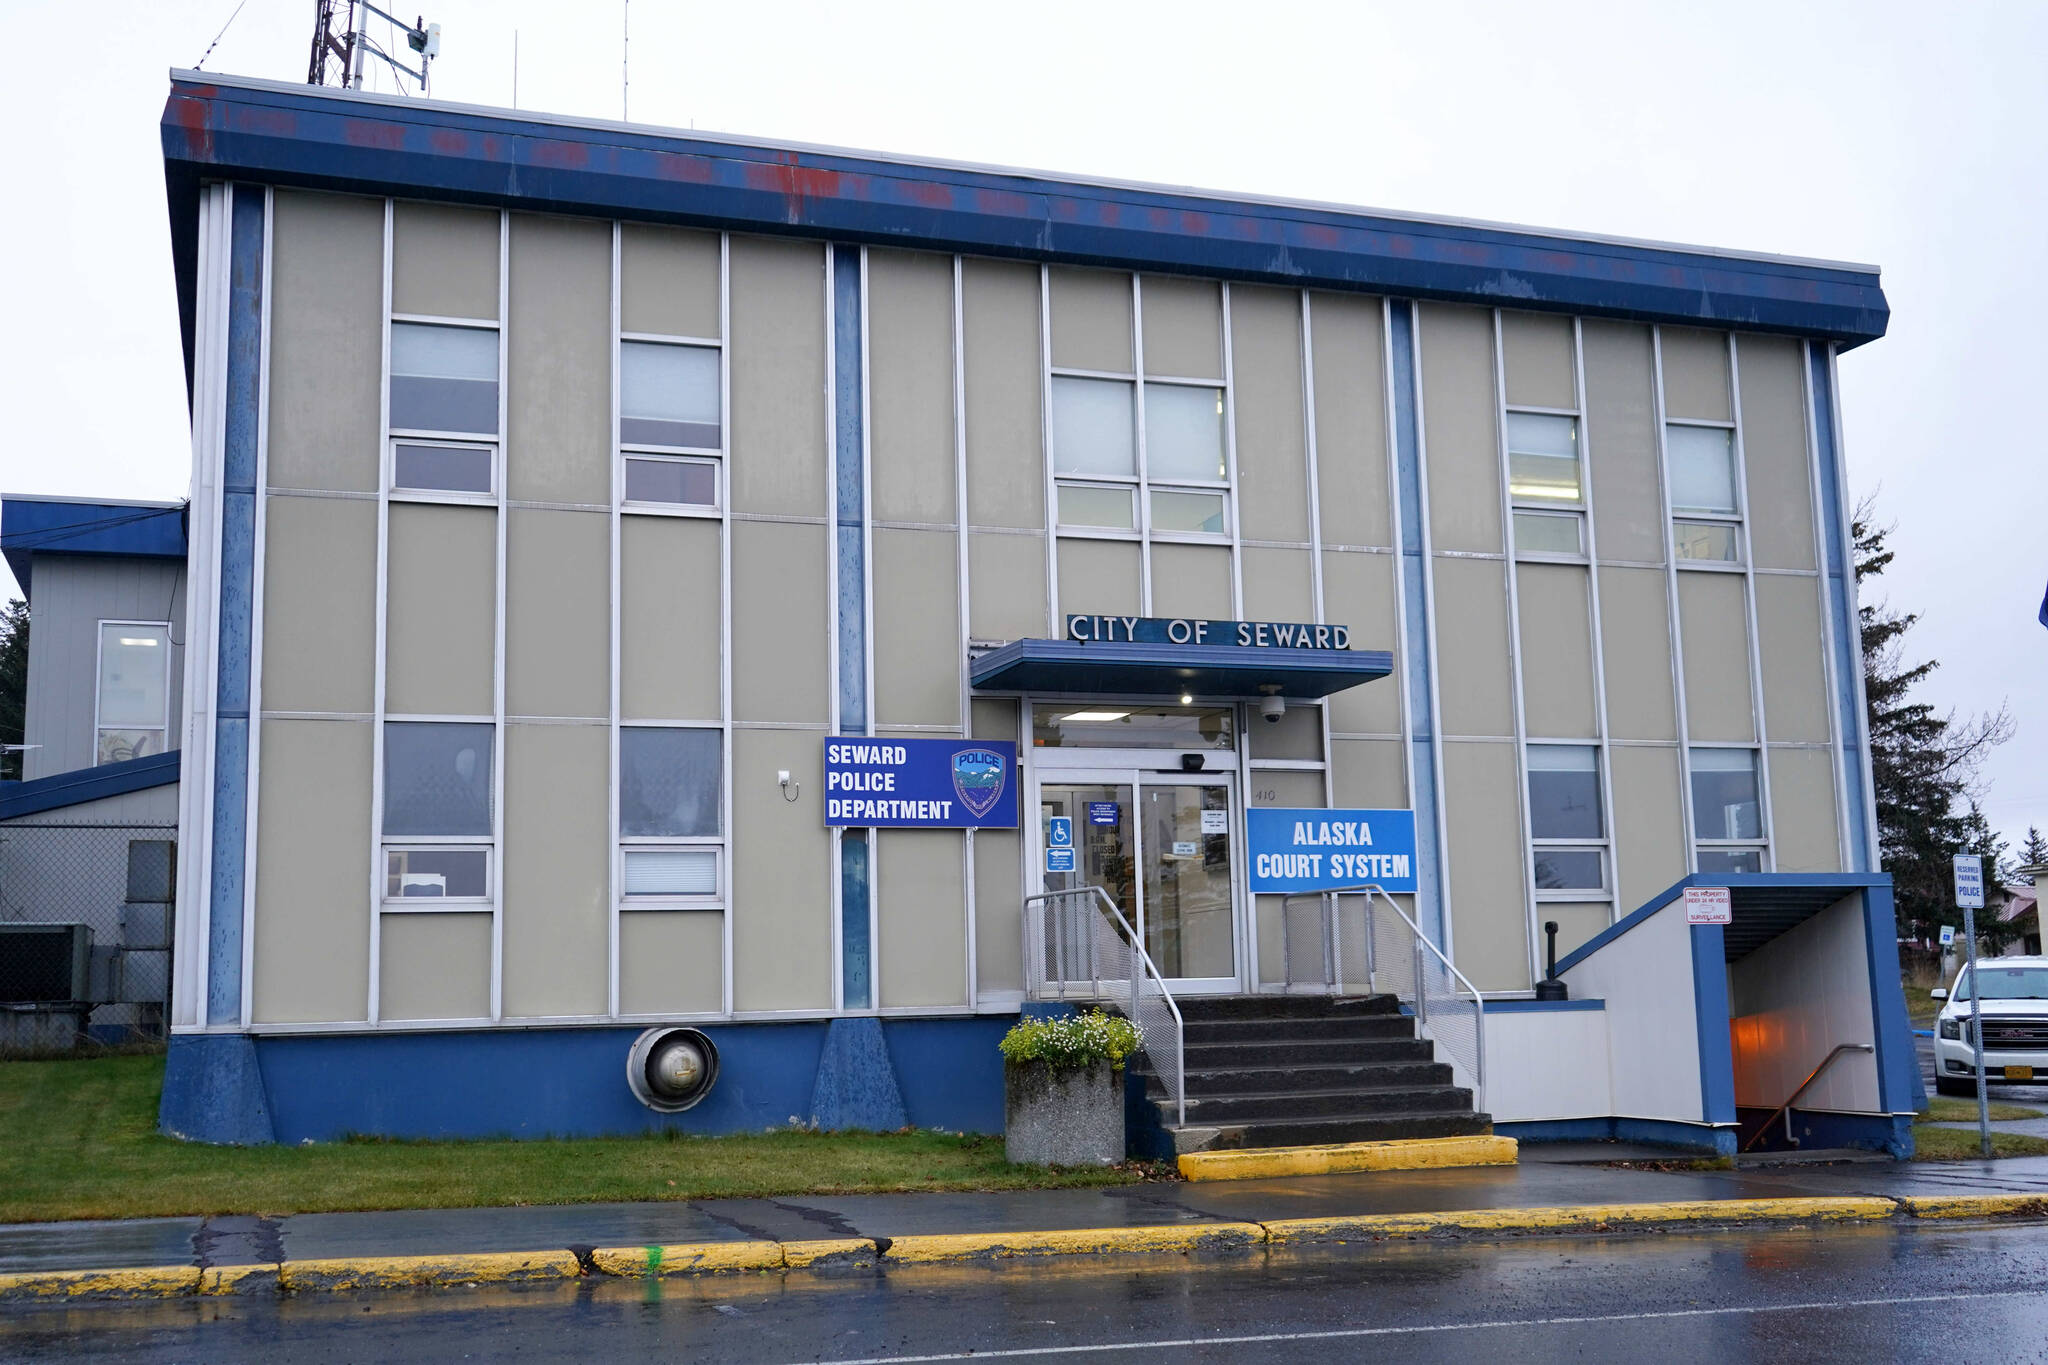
(134, 690)
(1566, 820)
(1709, 541)
(1548, 533)
(1727, 810)
(1197, 513)
(444, 378)
(1108, 506)
(432, 467)
(671, 784)
(439, 875)
(669, 401)
(1095, 444)
(1543, 472)
(1702, 469)
(1183, 434)
(437, 779)
(1093, 430)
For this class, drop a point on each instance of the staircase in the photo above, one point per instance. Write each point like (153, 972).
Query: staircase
(1295, 1070)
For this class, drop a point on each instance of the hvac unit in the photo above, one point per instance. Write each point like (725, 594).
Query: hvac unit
(44, 964)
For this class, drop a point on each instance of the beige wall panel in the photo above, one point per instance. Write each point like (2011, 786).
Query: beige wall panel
(998, 911)
(1279, 585)
(312, 930)
(668, 618)
(1488, 865)
(1191, 581)
(1539, 367)
(994, 718)
(778, 365)
(1804, 833)
(1298, 733)
(1474, 682)
(910, 386)
(1099, 576)
(1650, 845)
(441, 624)
(668, 281)
(1091, 319)
(1576, 923)
(320, 604)
(1005, 375)
(444, 260)
(557, 613)
(921, 916)
(557, 870)
(1287, 788)
(916, 640)
(1006, 586)
(1351, 419)
(558, 370)
(434, 966)
(1795, 676)
(1183, 327)
(671, 962)
(1696, 374)
(1635, 632)
(781, 894)
(1774, 456)
(1558, 697)
(1621, 443)
(1715, 629)
(780, 666)
(1369, 774)
(1358, 591)
(326, 341)
(1462, 445)
(1272, 436)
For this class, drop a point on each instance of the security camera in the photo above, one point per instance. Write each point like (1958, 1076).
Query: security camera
(1272, 708)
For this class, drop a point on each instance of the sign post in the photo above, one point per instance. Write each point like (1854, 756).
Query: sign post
(1970, 899)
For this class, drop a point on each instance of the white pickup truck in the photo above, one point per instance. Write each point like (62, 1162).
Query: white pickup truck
(2015, 1015)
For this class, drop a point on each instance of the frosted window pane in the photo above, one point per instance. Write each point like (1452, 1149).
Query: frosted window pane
(1535, 433)
(1536, 533)
(671, 872)
(688, 483)
(437, 778)
(429, 352)
(442, 469)
(133, 675)
(444, 378)
(1710, 540)
(1188, 512)
(668, 395)
(1106, 507)
(669, 782)
(1702, 468)
(1183, 432)
(1092, 427)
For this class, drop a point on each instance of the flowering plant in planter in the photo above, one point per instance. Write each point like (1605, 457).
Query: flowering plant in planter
(1063, 1092)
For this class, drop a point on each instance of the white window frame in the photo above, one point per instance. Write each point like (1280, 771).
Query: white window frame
(716, 843)
(1605, 892)
(711, 455)
(1739, 518)
(429, 904)
(99, 646)
(415, 435)
(1575, 510)
(1763, 842)
(406, 493)
(1141, 483)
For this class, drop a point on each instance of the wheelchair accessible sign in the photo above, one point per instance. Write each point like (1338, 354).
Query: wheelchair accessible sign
(1325, 850)
(1059, 843)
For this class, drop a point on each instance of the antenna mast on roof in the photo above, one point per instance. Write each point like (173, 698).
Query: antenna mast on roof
(349, 42)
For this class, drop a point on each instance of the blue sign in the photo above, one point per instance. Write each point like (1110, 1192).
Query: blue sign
(1059, 831)
(1323, 850)
(1102, 813)
(1059, 860)
(920, 783)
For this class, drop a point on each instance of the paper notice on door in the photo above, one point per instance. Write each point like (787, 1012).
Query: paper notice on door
(1184, 848)
(1215, 822)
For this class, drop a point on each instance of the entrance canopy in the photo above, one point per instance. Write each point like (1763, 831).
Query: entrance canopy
(1149, 668)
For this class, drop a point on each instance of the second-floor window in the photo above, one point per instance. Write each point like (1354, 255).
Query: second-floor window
(671, 427)
(1544, 485)
(1156, 467)
(133, 704)
(1706, 500)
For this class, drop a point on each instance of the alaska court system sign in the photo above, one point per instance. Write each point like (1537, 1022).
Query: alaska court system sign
(920, 783)
(1325, 850)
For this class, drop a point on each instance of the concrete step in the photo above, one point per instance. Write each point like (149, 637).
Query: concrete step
(1194, 1137)
(1252, 1030)
(1302, 1052)
(1278, 1006)
(1351, 1102)
(1240, 1080)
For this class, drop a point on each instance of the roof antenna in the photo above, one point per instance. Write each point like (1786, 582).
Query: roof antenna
(350, 43)
(625, 57)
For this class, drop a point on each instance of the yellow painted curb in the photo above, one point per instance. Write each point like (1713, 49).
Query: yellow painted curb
(141, 1282)
(1974, 1205)
(689, 1258)
(1576, 1216)
(400, 1272)
(1404, 1154)
(1160, 1238)
(239, 1279)
(825, 1251)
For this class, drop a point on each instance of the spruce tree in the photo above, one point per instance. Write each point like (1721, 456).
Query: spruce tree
(13, 684)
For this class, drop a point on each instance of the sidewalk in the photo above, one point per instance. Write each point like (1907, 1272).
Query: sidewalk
(165, 1257)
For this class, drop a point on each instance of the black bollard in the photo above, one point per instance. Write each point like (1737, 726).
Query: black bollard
(1550, 988)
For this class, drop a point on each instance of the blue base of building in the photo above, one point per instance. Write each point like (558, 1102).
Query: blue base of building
(1891, 1134)
(1691, 1137)
(940, 1073)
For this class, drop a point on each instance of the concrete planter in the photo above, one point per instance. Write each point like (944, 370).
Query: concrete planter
(1063, 1118)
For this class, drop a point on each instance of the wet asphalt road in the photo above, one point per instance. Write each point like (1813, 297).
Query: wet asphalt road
(1967, 1292)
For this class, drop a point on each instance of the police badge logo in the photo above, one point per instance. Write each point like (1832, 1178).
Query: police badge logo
(978, 779)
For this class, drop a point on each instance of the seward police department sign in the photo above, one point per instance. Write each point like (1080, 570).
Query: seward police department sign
(920, 783)
(1324, 850)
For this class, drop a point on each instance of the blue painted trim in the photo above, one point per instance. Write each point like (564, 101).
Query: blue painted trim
(280, 133)
(1710, 1022)
(849, 504)
(1842, 615)
(1692, 1137)
(1494, 1007)
(1899, 1086)
(1846, 881)
(214, 1091)
(80, 785)
(1429, 879)
(30, 526)
(243, 409)
(856, 956)
(1891, 1134)
(1145, 668)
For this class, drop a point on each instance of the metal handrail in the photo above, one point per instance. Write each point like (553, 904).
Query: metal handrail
(1140, 959)
(1786, 1107)
(1331, 969)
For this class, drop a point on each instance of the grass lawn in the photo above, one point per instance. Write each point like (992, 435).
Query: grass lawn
(1960, 1144)
(1919, 1008)
(78, 1140)
(1947, 1109)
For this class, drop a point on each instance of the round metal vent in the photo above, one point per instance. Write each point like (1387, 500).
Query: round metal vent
(671, 1069)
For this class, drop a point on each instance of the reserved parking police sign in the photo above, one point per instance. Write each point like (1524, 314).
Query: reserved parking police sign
(920, 783)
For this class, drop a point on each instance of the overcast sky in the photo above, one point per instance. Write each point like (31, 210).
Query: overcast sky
(1911, 136)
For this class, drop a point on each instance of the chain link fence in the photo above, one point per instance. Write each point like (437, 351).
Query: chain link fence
(85, 929)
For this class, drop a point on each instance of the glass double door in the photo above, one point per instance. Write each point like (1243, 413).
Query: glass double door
(1163, 845)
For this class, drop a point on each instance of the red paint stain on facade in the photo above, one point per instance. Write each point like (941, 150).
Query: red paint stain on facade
(389, 137)
(448, 142)
(681, 166)
(559, 155)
